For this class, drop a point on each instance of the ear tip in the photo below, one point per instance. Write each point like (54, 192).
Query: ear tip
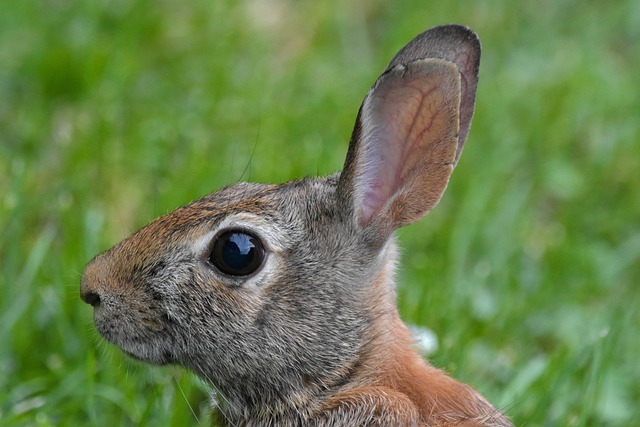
(460, 37)
(461, 31)
(457, 32)
(452, 42)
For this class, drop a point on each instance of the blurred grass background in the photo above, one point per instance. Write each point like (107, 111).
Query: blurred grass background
(114, 112)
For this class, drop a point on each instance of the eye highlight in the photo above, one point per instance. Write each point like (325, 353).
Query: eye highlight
(237, 253)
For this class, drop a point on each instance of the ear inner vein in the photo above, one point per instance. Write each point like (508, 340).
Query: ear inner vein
(410, 128)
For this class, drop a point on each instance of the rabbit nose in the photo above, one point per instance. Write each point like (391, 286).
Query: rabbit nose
(88, 291)
(92, 282)
(91, 298)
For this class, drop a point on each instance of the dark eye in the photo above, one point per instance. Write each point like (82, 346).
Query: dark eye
(237, 253)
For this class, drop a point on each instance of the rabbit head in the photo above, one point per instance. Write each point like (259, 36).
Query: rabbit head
(278, 295)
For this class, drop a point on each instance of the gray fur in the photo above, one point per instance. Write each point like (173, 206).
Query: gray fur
(281, 346)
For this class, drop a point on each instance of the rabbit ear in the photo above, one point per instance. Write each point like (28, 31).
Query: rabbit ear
(456, 44)
(411, 128)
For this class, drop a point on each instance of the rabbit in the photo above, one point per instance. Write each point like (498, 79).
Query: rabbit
(282, 297)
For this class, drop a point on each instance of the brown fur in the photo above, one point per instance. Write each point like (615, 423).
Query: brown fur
(406, 382)
(311, 336)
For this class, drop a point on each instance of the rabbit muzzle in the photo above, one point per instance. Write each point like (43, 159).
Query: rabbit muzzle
(124, 316)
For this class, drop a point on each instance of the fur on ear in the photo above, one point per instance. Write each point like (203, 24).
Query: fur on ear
(410, 130)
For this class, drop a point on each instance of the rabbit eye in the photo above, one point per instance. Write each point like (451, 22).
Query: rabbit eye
(237, 253)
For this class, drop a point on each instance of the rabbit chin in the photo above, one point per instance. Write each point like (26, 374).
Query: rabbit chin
(138, 346)
(154, 356)
(149, 353)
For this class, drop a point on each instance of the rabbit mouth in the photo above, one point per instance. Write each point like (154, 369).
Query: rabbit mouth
(148, 352)
(138, 345)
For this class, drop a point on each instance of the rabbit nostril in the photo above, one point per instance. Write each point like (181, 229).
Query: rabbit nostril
(91, 298)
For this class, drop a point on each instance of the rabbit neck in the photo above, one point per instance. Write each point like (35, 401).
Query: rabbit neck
(395, 364)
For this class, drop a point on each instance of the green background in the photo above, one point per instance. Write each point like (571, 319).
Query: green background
(114, 112)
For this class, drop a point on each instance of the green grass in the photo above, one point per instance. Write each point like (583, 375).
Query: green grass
(113, 112)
